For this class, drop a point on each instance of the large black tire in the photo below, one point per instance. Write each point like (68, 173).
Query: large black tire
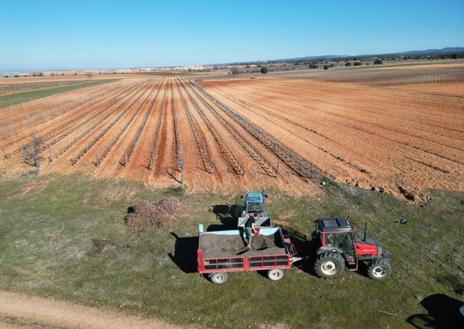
(218, 278)
(329, 265)
(380, 269)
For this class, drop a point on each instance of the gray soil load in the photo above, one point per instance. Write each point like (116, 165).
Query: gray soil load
(218, 246)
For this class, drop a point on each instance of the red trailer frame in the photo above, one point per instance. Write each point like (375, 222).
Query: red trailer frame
(247, 263)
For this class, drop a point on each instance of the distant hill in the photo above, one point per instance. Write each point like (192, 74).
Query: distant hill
(446, 50)
(426, 52)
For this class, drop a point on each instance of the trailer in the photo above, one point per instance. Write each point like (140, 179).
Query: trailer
(223, 252)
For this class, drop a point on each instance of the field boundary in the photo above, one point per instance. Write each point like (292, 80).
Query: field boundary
(26, 96)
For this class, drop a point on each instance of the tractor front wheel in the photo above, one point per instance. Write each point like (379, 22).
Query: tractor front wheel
(380, 269)
(329, 265)
(218, 278)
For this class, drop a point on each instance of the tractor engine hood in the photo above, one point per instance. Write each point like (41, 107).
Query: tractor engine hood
(368, 247)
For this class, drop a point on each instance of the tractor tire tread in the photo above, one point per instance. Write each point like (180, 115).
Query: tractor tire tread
(382, 261)
(336, 257)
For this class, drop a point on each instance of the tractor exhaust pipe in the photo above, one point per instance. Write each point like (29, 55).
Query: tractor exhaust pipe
(365, 232)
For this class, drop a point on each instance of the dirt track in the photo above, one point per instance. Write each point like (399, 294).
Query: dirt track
(20, 311)
(247, 134)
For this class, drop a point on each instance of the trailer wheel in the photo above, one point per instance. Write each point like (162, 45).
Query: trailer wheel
(275, 274)
(329, 265)
(379, 269)
(218, 278)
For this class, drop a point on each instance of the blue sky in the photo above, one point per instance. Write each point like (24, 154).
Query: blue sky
(102, 34)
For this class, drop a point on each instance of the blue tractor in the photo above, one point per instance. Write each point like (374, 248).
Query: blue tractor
(254, 204)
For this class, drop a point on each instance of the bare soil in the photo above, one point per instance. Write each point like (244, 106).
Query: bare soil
(391, 140)
(242, 134)
(21, 311)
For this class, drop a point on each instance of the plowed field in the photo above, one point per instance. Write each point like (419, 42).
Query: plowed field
(163, 132)
(392, 140)
(245, 134)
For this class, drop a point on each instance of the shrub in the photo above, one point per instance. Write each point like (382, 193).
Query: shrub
(264, 70)
(348, 64)
(313, 66)
(326, 67)
(235, 70)
(162, 214)
(378, 62)
(357, 64)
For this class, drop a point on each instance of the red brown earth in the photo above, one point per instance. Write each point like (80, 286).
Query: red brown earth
(382, 138)
(247, 134)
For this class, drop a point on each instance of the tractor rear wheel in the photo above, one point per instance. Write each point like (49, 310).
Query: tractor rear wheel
(218, 278)
(329, 265)
(380, 269)
(275, 274)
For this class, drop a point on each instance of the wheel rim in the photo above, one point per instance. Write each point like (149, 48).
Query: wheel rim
(329, 268)
(219, 277)
(379, 272)
(275, 275)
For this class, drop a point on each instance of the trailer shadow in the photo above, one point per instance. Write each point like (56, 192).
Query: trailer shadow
(185, 253)
(443, 313)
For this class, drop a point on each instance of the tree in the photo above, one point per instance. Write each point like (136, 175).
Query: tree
(89, 75)
(348, 64)
(326, 67)
(264, 70)
(357, 64)
(235, 70)
(378, 62)
(313, 66)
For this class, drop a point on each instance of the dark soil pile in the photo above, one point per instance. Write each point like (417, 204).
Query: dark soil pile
(232, 245)
(162, 214)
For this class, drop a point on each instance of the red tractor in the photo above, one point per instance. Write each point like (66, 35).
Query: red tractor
(339, 247)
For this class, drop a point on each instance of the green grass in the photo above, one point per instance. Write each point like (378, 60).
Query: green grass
(50, 226)
(34, 94)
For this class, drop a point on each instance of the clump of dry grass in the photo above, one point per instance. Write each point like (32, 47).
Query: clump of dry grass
(162, 214)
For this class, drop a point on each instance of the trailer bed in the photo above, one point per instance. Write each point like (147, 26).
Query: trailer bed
(225, 251)
(220, 246)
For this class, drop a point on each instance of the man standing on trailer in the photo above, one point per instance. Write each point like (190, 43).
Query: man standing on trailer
(250, 229)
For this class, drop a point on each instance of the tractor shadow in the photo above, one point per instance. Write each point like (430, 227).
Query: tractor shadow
(443, 313)
(226, 215)
(185, 253)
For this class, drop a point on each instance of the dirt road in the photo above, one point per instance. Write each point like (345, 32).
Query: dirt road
(21, 311)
